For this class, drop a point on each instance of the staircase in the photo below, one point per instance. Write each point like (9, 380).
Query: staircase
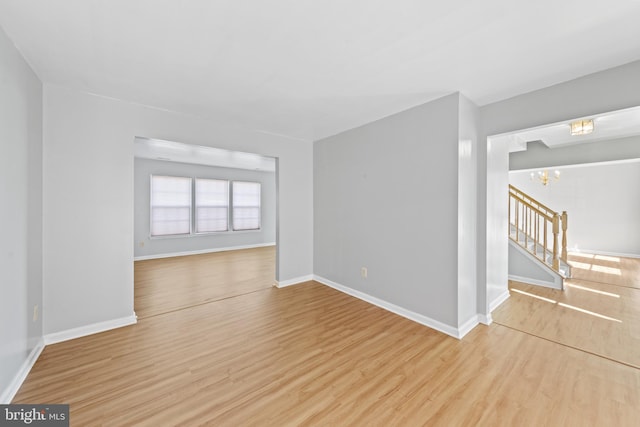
(540, 233)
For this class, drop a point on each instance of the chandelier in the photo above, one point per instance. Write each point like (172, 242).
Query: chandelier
(544, 177)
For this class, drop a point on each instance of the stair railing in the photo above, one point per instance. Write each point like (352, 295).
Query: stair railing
(537, 225)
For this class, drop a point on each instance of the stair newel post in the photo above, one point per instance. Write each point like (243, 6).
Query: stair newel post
(510, 217)
(517, 220)
(556, 231)
(535, 233)
(526, 226)
(564, 236)
(545, 236)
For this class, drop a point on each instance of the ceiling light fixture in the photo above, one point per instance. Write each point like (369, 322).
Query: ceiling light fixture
(582, 127)
(543, 176)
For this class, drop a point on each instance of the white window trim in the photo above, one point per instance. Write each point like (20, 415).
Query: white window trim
(192, 213)
(151, 207)
(259, 206)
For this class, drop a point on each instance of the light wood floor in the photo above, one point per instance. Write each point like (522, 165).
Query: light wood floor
(606, 269)
(598, 311)
(310, 355)
(167, 284)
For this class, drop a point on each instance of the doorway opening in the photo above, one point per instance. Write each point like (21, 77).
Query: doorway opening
(597, 182)
(205, 225)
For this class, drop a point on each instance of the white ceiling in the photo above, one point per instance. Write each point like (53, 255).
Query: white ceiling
(607, 126)
(309, 69)
(157, 149)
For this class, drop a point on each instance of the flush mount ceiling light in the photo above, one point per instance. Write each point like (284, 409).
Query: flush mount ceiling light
(582, 127)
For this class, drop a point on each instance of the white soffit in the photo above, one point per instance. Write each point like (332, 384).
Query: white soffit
(608, 126)
(156, 149)
(309, 69)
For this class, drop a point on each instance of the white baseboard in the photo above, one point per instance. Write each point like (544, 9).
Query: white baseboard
(485, 319)
(593, 252)
(94, 328)
(9, 393)
(411, 315)
(499, 300)
(537, 282)
(468, 326)
(294, 281)
(202, 251)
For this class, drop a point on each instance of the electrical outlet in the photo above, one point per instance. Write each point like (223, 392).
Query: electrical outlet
(35, 312)
(363, 272)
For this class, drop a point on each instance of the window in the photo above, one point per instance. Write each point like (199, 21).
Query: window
(246, 205)
(173, 197)
(170, 205)
(212, 205)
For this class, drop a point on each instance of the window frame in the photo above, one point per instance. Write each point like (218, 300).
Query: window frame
(258, 206)
(195, 206)
(152, 206)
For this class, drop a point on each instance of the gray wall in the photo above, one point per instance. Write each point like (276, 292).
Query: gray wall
(602, 201)
(539, 155)
(523, 266)
(20, 211)
(609, 90)
(145, 246)
(89, 199)
(386, 198)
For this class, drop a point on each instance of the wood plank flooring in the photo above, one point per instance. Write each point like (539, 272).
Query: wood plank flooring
(610, 270)
(310, 355)
(598, 312)
(167, 284)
